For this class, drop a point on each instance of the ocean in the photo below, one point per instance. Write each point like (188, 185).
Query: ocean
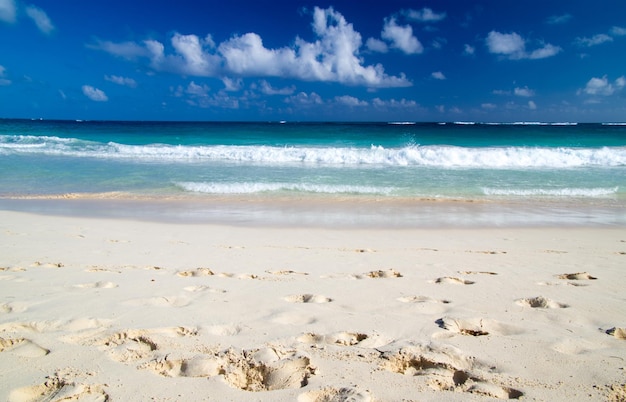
(391, 173)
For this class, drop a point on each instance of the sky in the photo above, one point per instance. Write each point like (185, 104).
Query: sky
(300, 60)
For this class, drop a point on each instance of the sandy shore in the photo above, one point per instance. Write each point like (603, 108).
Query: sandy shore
(113, 309)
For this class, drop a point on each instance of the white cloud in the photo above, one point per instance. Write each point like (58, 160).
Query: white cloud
(348, 100)
(468, 49)
(376, 45)
(40, 18)
(197, 90)
(594, 40)
(602, 86)
(333, 57)
(488, 106)
(618, 31)
(126, 50)
(267, 89)
(501, 92)
(7, 11)
(544, 52)
(129, 82)
(393, 103)
(232, 85)
(525, 92)
(559, 19)
(513, 46)
(401, 37)
(532, 105)
(94, 94)
(424, 15)
(438, 75)
(303, 99)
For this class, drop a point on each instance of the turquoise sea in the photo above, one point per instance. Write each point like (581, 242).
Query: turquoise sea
(398, 173)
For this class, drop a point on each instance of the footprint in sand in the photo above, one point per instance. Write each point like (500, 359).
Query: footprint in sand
(22, 347)
(421, 299)
(56, 389)
(160, 301)
(129, 346)
(47, 264)
(330, 394)
(477, 273)
(540, 302)
(445, 370)
(390, 273)
(619, 333)
(453, 280)
(308, 298)
(577, 276)
(196, 272)
(237, 276)
(203, 288)
(339, 338)
(266, 369)
(476, 326)
(286, 272)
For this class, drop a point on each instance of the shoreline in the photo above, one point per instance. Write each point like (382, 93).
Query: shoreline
(325, 212)
(131, 310)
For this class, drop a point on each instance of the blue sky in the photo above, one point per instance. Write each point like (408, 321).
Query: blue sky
(557, 60)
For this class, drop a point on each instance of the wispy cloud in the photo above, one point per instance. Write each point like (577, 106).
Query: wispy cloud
(94, 94)
(424, 15)
(125, 81)
(40, 18)
(3, 80)
(8, 11)
(513, 47)
(333, 57)
(559, 19)
(594, 40)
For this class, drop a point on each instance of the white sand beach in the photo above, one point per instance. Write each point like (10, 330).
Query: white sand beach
(96, 309)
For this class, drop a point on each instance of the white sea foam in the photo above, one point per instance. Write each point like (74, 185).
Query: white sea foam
(412, 155)
(560, 192)
(254, 187)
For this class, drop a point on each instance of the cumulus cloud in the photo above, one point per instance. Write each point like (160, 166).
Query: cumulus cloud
(488, 106)
(267, 89)
(333, 57)
(525, 92)
(377, 45)
(401, 37)
(94, 94)
(304, 99)
(603, 87)
(532, 105)
(125, 81)
(8, 11)
(438, 75)
(231, 84)
(469, 49)
(40, 18)
(348, 100)
(513, 46)
(424, 15)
